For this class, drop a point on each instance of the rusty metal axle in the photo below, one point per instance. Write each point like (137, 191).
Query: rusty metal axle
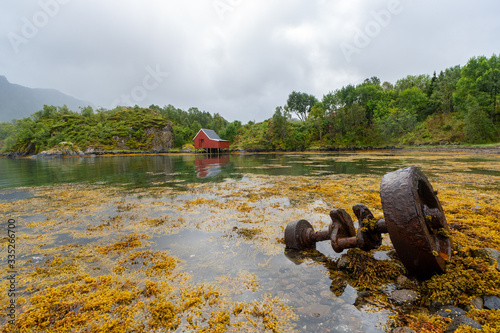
(413, 217)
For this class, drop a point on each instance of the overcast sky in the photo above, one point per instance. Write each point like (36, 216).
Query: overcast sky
(240, 58)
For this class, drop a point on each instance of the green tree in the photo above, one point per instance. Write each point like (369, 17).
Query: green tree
(415, 101)
(369, 94)
(420, 81)
(351, 124)
(346, 95)
(445, 87)
(331, 102)
(278, 126)
(300, 104)
(317, 118)
(229, 133)
(396, 123)
(478, 126)
(480, 79)
(87, 112)
(218, 123)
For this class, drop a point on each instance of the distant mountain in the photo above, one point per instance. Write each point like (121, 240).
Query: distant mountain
(18, 102)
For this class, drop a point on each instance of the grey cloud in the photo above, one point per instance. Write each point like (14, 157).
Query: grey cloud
(241, 62)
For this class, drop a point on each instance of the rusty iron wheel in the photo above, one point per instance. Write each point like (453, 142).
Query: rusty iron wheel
(298, 235)
(415, 222)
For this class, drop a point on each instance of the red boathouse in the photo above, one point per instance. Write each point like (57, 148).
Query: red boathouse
(210, 141)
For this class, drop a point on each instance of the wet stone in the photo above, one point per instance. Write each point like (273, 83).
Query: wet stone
(492, 255)
(363, 294)
(402, 280)
(315, 311)
(462, 321)
(343, 262)
(284, 270)
(450, 312)
(491, 302)
(284, 282)
(477, 303)
(404, 296)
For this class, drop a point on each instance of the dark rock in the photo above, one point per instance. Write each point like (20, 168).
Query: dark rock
(434, 306)
(163, 140)
(393, 254)
(402, 330)
(363, 294)
(492, 255)
(491, 302)
(462, 321)
(404, 296)
(451, 312)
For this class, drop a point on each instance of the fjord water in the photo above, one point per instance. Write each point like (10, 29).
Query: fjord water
(302, 282)
(147, 170)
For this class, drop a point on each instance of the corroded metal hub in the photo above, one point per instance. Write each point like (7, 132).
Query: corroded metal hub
(414, 220)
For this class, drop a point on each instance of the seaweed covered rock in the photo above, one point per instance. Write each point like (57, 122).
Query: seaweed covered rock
(492, 255)
(460, 322)
(366, 272)
(450, 312)
(404, 296)
(60, 150)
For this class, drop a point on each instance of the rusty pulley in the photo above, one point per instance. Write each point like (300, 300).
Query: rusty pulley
(413, 217)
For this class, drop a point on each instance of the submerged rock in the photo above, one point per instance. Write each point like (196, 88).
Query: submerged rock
(317, 311)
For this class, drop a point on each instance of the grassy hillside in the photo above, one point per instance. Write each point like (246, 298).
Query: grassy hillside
(458, 105)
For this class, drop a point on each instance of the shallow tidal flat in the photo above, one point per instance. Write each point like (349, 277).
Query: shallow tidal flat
(210, 257)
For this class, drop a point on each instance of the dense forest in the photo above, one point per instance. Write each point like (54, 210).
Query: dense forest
(458, 105)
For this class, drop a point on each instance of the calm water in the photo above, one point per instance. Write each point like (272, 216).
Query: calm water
(287, 275)
(143, 171)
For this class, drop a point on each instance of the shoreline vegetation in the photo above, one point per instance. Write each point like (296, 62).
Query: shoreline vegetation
(437, 148)
(459, 106)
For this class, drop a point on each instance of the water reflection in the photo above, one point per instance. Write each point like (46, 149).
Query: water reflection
(147, 170)
(207, 167)
(338, 285)
(309, 281)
